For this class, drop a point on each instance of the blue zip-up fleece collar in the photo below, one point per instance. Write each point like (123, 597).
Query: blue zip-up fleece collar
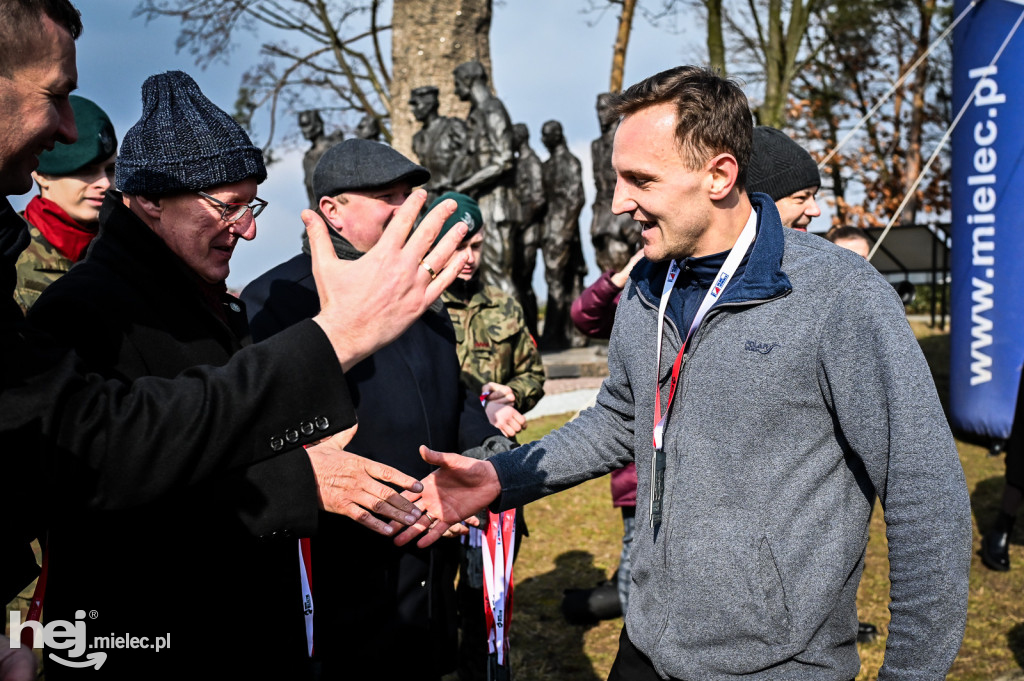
(760, 276)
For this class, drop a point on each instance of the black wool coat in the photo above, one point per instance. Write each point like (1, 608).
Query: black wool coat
(373, 600)
(71, 438)
(213, 564)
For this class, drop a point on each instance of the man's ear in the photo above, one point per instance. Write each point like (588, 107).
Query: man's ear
(150, 205)
(41, 180)
(723, 171)
(329, 209)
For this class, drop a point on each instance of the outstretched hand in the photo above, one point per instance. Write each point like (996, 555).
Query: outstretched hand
(348, 485)
(459, 488)
(367, 303)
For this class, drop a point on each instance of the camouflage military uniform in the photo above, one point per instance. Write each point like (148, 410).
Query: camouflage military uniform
(38, 266)
(493, 341)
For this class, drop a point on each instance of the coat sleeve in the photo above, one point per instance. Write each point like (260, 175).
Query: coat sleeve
(86, 432)
(593, 312)
(527, 380)
(876, 379)
(474, 427)
(596, 442)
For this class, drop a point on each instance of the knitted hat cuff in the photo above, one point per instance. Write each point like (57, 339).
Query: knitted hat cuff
(136, 176)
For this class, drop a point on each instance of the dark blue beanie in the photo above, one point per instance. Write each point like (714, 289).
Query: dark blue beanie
(183, 142)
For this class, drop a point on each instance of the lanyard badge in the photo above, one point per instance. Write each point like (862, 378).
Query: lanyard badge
(714, 293)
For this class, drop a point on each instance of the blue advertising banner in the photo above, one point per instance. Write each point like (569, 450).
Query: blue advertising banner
(987, 291)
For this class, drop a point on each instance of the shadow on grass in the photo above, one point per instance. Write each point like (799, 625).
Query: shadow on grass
(1015, 641)
(544, 645)
(986, 499)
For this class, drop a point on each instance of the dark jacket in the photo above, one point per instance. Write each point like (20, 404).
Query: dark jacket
(185, 565)
(371, 598)
(72, 439)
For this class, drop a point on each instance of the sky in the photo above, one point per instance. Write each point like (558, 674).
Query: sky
(117, 52)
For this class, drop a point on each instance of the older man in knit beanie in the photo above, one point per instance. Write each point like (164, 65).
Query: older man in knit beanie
(782, 169)
(150, 300)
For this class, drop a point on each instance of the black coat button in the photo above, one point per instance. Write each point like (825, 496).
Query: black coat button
(276, 443)
(322, 423)
(306, 427)
(291, 435)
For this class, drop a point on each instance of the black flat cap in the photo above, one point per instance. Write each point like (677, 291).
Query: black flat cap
(358, 164)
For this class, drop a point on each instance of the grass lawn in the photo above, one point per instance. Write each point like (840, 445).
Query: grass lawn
(574, 542)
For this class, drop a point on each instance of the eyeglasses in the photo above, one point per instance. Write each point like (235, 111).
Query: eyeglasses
(233, 212)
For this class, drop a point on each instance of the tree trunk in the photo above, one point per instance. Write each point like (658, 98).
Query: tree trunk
(621, 43)
(780, 53)
(429, 38)
(716, 39)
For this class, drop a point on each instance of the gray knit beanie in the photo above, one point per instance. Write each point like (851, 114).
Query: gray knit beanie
(183, 142)
(779, 166)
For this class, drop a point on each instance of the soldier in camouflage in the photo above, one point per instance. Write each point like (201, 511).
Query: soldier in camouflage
(73, 179)
(499, 358)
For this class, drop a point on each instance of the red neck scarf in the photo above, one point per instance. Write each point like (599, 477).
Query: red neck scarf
(63, 232)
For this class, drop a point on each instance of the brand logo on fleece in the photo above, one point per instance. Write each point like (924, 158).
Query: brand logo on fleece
(763, 348)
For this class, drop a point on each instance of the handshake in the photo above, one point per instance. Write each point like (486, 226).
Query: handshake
(361, 489)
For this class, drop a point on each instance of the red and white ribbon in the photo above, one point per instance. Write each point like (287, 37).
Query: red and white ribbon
(498, 550)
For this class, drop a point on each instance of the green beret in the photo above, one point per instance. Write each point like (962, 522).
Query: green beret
(96, 141)
(467, 212)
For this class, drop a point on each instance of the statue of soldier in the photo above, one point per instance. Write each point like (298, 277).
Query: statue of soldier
(368, 128)
(440, 145)
(492, 180)
(563, 255)
(615, 237)
(312, 127)
(528, 221)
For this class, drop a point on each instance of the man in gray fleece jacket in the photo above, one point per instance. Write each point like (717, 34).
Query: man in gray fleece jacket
(801, 397)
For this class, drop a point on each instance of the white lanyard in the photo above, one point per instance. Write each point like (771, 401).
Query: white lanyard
(722, 279)
(724, 276)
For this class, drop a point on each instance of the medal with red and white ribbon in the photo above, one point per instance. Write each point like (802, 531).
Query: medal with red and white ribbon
(498, 549)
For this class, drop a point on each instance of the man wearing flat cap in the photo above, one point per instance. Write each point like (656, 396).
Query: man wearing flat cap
(406, 394)
(149, 299)
(782, 169)
(73, 179)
